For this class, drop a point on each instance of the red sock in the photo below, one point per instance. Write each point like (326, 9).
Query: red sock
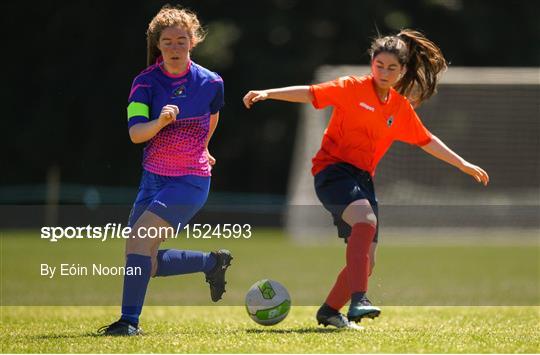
(340, 293)
(358, 264)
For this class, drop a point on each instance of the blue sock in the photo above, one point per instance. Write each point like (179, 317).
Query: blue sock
(178, 262)
(135, 287)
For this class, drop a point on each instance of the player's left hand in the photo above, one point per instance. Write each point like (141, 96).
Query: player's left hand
(476, 172)
(211, 158)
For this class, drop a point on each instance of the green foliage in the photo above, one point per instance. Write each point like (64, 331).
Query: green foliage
(80, 81)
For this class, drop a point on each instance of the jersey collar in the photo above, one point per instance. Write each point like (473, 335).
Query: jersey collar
(391, 93)
(159, 63)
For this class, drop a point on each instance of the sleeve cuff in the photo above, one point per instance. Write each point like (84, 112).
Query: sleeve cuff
(314, 102)
(216, 110)
(425, 141)
(136, 119)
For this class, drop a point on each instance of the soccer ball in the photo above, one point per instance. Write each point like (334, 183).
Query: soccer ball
(268, 302)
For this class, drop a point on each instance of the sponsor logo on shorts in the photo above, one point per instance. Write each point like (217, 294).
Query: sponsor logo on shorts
(160, 203)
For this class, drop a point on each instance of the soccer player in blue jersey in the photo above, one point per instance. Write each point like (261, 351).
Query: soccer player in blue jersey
(174, 107)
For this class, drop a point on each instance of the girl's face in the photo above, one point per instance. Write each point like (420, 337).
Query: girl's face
(174, 44)
(386, 70)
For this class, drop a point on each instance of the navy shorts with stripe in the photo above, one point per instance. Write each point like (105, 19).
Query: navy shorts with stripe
(176, 199)
(338, 185)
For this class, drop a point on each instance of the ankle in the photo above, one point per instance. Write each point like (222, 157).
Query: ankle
(131, 320)
(357, 297)
(325, 308)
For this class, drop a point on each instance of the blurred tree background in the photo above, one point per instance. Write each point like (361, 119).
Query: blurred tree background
(72, 64)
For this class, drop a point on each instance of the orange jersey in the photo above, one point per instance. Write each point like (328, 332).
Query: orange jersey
(362, 127)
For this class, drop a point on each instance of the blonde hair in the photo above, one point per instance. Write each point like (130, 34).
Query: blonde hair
(171, 16)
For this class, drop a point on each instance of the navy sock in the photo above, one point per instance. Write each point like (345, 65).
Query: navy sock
(357, 297)
(135, 287)
(178, 262)
(327, 310)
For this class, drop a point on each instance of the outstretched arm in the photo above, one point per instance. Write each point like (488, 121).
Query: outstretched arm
(440, 151)
(299, 94)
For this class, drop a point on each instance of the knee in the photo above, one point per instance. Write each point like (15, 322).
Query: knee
(138, 245)
(359, 213)
(365, 215)
(369, 218)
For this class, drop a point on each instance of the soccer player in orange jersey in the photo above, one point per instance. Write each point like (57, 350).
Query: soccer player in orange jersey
(369, 114)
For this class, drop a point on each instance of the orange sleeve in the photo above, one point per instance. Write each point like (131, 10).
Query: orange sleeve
(413, 131)
(330, 93)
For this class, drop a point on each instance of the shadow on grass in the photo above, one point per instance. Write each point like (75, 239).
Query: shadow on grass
(296, 330)
(249, 331)
(66, 336)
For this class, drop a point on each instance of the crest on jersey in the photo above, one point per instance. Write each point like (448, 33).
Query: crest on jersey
(179, 92)
(389, 121)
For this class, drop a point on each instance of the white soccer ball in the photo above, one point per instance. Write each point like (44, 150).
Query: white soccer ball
(268, 302)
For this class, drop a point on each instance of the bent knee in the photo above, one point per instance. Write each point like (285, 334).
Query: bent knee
(359, 212)
(370, 218)
(142, 246)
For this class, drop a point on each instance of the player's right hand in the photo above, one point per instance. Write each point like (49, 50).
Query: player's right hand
(254, 96)
(168, 115)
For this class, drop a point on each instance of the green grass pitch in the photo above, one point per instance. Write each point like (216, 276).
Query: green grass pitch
(227, 329)
(462, 298)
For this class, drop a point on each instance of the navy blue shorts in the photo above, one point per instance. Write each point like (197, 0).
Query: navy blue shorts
(176, 199)
(338, 185)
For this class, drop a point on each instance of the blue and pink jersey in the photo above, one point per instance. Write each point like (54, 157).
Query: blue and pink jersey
(179, 148)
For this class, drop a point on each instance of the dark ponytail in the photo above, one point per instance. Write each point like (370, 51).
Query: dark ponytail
(424, 61)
